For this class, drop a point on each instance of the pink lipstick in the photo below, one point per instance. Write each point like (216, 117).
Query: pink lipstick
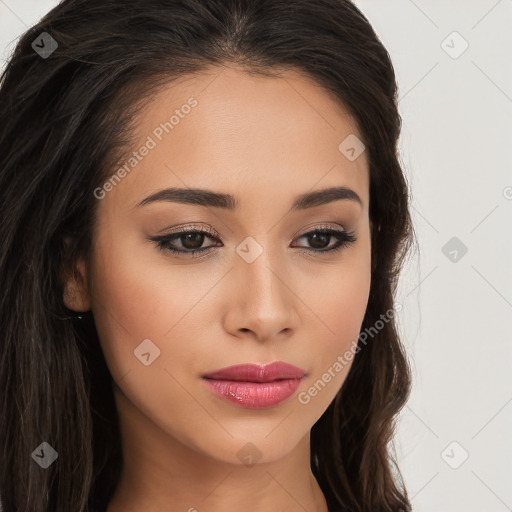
(254, 386)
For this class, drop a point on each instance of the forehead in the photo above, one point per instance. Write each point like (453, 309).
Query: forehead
(227, 129)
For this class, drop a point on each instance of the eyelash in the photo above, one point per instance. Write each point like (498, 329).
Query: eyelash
(345, 238)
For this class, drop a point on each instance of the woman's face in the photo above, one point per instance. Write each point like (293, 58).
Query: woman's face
(255, 295)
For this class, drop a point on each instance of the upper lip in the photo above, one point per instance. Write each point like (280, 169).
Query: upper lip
(257, 373)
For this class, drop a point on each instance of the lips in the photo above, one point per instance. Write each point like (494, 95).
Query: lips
(253, 386)
(257, 373)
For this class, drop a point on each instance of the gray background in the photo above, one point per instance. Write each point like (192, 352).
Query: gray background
(457, 124)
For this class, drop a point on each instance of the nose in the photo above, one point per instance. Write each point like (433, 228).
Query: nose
(262, 302)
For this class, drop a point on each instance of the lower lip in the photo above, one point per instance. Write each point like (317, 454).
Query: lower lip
(254, 395)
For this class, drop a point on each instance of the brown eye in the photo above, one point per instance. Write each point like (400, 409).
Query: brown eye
(320, 238)
(191, 241)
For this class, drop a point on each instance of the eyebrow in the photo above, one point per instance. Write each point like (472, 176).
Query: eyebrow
(202, 197)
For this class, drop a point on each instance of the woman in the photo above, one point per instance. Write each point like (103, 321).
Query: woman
(203, 223)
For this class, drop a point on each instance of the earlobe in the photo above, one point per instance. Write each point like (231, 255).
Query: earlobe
(76, 295)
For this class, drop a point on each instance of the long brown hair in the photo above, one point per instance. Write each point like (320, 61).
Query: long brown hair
(66, 117)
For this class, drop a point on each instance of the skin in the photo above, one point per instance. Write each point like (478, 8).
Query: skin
(180, 441)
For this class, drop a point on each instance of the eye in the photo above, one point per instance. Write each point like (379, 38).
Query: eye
(321, 237)
(192, 239)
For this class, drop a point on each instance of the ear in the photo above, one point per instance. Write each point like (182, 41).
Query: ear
(76, 295)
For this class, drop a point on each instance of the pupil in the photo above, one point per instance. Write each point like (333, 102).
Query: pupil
(190, 237)
(315, 238)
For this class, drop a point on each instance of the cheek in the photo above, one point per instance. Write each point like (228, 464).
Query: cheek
(343, 297)
(347, 306)
(343, 316)
(124, 300)
(138, 296)
(341, 304)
